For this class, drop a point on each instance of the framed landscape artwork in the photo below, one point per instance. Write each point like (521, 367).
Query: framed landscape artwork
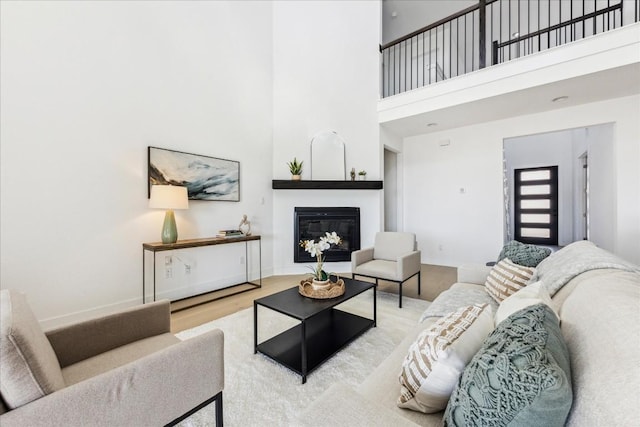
(206, 178)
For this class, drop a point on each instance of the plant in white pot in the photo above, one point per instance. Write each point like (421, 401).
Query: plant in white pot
(315, 249)
(295, 167)
(362, 175)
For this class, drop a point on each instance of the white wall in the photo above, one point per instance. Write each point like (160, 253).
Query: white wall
(324, 54)
(390, 190)
(602, 184)
(393, 185)
(86, 87)
(469, 226)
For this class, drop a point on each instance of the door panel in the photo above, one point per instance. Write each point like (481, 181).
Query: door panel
(536, 205)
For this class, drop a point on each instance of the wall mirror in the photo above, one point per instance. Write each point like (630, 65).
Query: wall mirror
(328, 157)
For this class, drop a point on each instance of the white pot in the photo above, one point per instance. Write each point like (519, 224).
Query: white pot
(320, 284)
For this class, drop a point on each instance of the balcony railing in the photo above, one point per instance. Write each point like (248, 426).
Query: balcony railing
(495, 31)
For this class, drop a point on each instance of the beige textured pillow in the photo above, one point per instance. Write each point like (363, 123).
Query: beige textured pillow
(29, 368)
(438, 356)
(506, 278)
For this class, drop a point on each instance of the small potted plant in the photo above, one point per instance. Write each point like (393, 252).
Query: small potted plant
(295, 167)
(362, 175)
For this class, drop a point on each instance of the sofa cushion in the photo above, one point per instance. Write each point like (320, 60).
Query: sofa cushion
(601, 326)
(458, 295)
(378, 268)
(532, 294)
(506, 278)
(522, 254)
(438, 356)
(117, 357)
(520, 376)
(29, 368)
(383, 388)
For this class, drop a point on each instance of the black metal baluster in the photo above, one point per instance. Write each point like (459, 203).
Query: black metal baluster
(538, 29)
(423, 82)
(395, 71)
(492, 39)
(594, 20)
(473, 41)
(583, 21)
(509, 27)
(411, 63)
(430, 56)
(465, 44)
(450, 73)
(443, 49)
(457, 46)
(436, 68)
(549, 25)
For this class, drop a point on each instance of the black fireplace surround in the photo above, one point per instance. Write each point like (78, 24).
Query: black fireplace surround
(313, 223)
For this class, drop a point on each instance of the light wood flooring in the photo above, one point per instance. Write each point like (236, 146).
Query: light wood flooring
(435, 279)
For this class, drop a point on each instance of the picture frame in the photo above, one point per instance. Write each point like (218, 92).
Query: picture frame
(206, 178)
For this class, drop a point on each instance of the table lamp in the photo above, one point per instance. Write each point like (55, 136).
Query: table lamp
(169, 197)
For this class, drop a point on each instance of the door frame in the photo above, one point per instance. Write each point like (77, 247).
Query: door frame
(518, 197)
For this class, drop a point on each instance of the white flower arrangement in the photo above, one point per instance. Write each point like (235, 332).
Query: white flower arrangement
(316, 249)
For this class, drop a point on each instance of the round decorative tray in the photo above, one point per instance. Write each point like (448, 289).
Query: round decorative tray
(335, 290)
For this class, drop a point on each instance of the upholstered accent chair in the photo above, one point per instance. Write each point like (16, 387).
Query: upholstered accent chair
(123, 369)
(394, 257)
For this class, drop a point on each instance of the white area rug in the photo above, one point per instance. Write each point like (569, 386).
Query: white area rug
(260, 392)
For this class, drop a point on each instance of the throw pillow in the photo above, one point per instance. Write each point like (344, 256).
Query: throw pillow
(520, 377)
(29, 368)
(506, 278)
(522, 254)
(532, 294)
(437, 358)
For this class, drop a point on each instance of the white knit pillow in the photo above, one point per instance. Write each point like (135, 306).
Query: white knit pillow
(438, 356)
(506, 278)
(532, 294)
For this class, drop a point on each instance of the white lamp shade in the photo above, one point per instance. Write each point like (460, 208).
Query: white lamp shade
(169, 197)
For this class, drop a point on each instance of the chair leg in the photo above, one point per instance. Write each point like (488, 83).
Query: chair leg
(400, 292)
(419, 283)
(219, 418)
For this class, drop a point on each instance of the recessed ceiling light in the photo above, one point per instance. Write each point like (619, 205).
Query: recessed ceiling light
(431, 124)
(560, 99)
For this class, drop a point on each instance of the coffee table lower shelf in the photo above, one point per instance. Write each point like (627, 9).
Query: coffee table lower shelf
(316, 339)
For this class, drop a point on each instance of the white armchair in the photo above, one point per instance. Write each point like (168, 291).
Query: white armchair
(394, 257)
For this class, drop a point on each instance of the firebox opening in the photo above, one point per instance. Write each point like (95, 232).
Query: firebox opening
(312, 223)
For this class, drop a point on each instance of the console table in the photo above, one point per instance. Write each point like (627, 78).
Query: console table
(156, 247)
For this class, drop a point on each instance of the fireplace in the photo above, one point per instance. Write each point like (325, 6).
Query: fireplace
(313, 223)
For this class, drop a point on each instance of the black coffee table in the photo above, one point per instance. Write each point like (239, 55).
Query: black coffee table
(323, 330)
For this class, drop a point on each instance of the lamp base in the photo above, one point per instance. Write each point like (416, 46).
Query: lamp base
(169, 229)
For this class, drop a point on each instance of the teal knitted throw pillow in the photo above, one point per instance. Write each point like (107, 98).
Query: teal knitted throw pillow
(521, 254)
(520, 377)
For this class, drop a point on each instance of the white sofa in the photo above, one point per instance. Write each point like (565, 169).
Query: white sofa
(599, 308)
